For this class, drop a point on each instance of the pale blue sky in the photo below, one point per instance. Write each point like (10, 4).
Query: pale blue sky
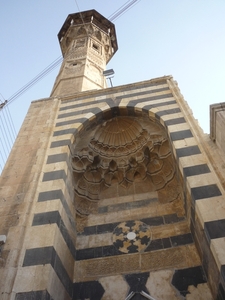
(182, 38)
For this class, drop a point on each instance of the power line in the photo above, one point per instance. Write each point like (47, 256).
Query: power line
(3, 161)
(111, 16)
(5, 136)
(11, 122)
(124, 8)
(3, 150)
(46, 71)
(8, 131)
(128, 8)
(8, 120)
(79, 12)
(7, 127)
(119, 12)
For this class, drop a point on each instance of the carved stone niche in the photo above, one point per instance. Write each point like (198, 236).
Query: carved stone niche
(121, 156)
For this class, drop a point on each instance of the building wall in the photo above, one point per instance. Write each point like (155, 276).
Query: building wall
(19, 187)
(52, 251)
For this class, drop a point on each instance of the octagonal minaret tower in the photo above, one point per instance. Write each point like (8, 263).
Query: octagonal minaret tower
(88, 41)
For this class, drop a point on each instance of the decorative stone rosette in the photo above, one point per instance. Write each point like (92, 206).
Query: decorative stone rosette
(131, 236)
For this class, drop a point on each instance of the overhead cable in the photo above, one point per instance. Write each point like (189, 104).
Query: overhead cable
(3, 147)
(7, 128)
(5, 136)
(111, 16)
(47, 70)
(11, 122)
(6, 122)
(6, 133)
(124, 8)
(57, 61)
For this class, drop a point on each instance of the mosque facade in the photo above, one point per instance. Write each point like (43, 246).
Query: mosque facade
(112, 193)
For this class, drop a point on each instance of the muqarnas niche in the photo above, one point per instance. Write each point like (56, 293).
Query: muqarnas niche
(123, 156)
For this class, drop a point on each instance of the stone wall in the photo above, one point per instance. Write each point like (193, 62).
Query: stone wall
(71, 238)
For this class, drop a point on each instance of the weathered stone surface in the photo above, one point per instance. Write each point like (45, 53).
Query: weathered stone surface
(3, 258)
(208, 261)
(179, 257)
(159, 286)
(106, 266)
(201, 292)
(115, 287)
(161, 259)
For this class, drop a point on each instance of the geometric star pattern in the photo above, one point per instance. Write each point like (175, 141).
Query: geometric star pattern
(132, 236)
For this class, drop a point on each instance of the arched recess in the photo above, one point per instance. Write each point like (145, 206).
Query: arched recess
(125, 153)
(131, 198)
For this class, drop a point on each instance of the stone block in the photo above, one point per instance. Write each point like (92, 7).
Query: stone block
(25, 279)
(218, 249)
(210, 209)
(56, 288)
(115, 287)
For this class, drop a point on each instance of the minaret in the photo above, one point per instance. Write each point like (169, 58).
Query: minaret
(88, 41)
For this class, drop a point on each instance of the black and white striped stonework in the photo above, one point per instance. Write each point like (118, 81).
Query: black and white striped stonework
(158, 99)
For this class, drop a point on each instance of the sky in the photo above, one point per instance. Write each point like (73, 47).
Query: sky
(182, 38)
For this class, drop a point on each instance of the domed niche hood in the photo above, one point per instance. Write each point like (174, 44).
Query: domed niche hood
(126, 154)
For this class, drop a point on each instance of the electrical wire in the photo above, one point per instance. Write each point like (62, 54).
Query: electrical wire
(7, 128)
(79, 12)
(2, 160)
(3, 150)
(128, 8)
(11, 122)
(46, 71)
(8, 120)
(122, 10)
(5, 136)
(119, 12)
(9, 133)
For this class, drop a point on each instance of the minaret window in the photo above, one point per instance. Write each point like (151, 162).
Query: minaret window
(96, 47)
